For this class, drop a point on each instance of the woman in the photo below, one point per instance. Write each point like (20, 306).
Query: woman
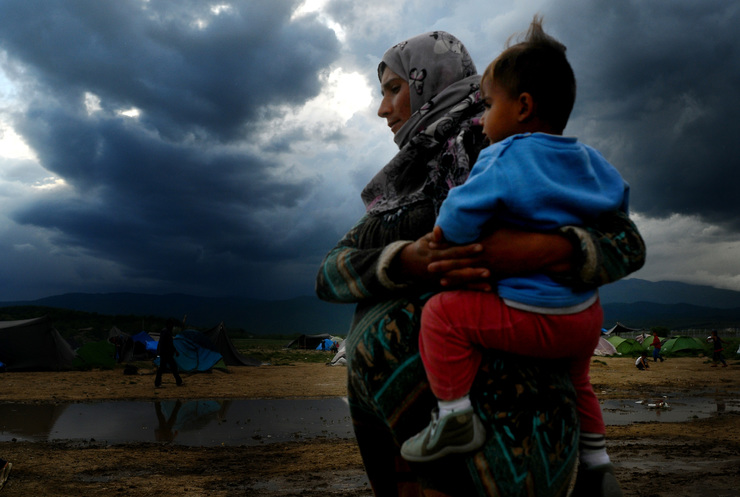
(389, 263)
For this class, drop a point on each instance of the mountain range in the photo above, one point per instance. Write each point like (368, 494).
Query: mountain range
(633, 302)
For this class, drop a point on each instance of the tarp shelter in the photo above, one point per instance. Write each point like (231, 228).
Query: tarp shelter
(139, 347)
(308, 341)
(326, 344)
(605, 348)
(34, 345)
(619, 329)
(626, 346)
(226, 348)
(196, 351)
(203, 350)
(683, 345)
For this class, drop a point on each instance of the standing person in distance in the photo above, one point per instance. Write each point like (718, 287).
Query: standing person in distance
(718, 347)
(167, 352)
(657, 345)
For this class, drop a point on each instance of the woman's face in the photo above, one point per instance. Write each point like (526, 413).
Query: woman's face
(395, 107)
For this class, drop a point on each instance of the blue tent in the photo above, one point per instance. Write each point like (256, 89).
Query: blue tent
(143, 337)
(196, 351)
(326, 344)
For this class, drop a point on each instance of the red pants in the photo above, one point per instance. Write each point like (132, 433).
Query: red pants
(454, 322)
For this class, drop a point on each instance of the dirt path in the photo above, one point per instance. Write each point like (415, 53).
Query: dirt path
(695, 458)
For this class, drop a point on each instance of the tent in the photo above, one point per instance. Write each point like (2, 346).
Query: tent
(308, 341)
(325, 344)
(340, 358)
(605, 347)
(682, 345)
(201, 351)
(196, 352)
(101, 354)
(620, 328)
(626, 346)
(225, 347)
(140, 347)
(33, 345)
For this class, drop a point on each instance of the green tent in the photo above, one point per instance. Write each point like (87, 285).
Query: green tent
(681, 345)
(626, 346)
(100, 354)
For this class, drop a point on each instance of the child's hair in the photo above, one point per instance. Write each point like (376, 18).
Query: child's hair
(537, 65)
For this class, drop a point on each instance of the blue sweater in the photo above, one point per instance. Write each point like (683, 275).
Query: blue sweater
(537, 182)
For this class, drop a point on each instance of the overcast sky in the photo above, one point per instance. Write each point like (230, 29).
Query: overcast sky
(220, 148)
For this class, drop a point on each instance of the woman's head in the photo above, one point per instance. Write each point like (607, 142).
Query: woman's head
(395, 107)
(419, 69)
(537, 66)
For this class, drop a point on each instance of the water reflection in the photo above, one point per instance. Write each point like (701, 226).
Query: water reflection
(192, 422)
(251, 422)
(175, 416)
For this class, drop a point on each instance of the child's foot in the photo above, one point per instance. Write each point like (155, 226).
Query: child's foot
(457, 432)
(596, 482)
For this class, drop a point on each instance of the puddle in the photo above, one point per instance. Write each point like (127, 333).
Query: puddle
(252, 422)
(623, 412)
(196, 423)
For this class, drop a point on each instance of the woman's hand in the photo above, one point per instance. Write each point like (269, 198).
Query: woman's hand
(505, 252)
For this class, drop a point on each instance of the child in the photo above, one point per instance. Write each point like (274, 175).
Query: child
(718, 348)
(641, 363)
(531, 177)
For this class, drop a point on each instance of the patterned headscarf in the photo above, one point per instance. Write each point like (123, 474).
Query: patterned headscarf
(436, 66)
(445, 102)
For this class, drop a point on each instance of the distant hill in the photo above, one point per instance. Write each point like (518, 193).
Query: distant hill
(307, 315)
(633, 302)
(668, 292)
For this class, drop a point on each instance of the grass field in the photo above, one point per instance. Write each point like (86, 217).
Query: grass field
(273, 351)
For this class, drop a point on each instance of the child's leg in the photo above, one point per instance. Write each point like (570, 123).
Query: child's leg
(454, 322)
(450, 359)
(592, 444)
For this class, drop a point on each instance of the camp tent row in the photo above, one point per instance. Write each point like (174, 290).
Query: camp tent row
(633, 347)
(35, 345)
(197, 350)
(322, 341)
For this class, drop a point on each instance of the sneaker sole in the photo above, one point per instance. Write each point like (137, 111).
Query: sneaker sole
(471, 446)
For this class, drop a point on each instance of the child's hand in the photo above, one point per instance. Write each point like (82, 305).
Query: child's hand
(458, 264)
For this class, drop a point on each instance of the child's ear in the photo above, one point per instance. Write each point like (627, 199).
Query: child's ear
(526, 107)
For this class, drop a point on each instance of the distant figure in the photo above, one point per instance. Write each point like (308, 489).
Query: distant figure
(167, 352)
(642, 363)
(656, 348)
(5, 467)
(718, 344)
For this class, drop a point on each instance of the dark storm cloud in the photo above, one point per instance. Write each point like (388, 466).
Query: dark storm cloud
(153, 55)
(178, 194)
(658, 84)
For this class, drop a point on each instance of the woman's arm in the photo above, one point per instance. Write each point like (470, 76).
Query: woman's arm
(607, 251)
(364, 266)
(603, 253)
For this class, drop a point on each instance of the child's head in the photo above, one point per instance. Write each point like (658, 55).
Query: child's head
(536, 82)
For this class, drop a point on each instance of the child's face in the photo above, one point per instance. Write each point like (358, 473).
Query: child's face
(501, 115)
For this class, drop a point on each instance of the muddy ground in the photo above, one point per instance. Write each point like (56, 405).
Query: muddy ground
(687, 459)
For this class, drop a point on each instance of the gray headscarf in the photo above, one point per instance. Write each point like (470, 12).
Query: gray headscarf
(443, 87)
(437, 67)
